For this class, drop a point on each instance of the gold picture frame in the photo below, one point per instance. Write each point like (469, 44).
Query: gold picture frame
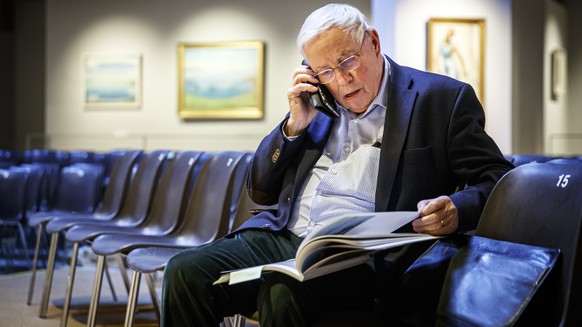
(456, 48)
(221, 80)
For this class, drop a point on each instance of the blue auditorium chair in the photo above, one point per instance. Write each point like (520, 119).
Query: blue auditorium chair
(134, 207)
(209, 213)
(162, 215)
(152, 257)
(77, 192)
(506, 274)
(108, 209)
(541, 205)
(109, 159)
(13, 187)
(9, 158)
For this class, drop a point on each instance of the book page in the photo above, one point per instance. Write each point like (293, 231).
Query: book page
(357, 226)
(324, 246)
(246, 274)
(365, 224)
(345, 242)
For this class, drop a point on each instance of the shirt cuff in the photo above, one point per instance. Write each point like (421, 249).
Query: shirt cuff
(289, 138)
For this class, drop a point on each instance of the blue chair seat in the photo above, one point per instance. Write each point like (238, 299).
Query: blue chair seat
(150, 259)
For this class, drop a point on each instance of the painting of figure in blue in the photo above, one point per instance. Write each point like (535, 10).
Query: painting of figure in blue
(221, 80)
(112, 80)
(456, 49)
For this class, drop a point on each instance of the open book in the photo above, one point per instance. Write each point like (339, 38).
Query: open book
(346, 242)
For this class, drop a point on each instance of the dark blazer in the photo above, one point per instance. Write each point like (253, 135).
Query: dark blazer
(434, 144)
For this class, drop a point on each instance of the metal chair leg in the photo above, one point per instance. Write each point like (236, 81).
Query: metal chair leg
(49, 275)
(92, 315)
(70, 281)
(132, 299)
(121, 263)
(152, 288)
(110, 281)
(34, 265)
(23, 241)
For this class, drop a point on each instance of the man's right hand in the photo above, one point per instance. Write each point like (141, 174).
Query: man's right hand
(300, 108)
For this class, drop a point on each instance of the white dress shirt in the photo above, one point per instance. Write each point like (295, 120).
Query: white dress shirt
(343, 180)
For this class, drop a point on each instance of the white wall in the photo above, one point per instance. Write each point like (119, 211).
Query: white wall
(571, 138)
(404, 24)
(555, 108)
(154, 28)
(575, 69)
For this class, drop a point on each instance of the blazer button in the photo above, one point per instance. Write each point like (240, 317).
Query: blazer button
(266, 225)
(275, 156)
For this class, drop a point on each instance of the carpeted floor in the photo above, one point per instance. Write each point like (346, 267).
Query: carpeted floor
(15, 275)
(14, 311)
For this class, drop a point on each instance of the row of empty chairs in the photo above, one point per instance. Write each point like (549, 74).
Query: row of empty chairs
(12, 157)
(44, 186)
(158, 200)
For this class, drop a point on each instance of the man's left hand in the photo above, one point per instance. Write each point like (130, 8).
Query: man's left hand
(438, 216)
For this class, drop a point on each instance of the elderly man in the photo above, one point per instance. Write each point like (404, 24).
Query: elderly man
(404, 140)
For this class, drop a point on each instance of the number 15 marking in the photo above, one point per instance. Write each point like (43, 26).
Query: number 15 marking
(563, 180)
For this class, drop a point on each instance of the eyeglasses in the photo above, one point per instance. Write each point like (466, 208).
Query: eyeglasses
(347, 65)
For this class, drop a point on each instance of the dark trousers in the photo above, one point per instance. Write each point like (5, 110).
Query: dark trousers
(191, 299)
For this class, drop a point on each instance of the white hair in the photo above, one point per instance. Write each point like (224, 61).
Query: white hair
(335, 15)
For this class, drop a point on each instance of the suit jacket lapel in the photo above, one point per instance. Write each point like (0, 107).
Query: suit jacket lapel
(401, 97)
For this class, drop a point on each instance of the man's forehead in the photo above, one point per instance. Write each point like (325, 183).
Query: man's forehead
(329, 48)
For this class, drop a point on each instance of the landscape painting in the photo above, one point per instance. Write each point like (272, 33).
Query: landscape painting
(112, 80)
(221, 80)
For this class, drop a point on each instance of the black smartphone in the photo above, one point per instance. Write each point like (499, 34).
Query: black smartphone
(323, 100)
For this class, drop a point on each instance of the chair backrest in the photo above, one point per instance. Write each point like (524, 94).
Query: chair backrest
(541, 204)
(239, 186)
(142, 187)
(522, 159)
(13, 184)
(78, 189)
(119, 180)
(97, 168)
(246, 207)
(48, 183)
(208, 213)
(40, 155)
(168, 202)
(109, 159)
(9, 157)
(34, 185)
(567, 160)
(80, 156)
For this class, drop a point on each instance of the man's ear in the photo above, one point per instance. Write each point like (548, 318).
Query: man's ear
(375, 40)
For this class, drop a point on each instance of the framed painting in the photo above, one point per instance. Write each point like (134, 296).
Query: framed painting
(456, 48)
(112, 80)
(221, 80)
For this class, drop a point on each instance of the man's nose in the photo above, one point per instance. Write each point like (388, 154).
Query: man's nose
(342, 77)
